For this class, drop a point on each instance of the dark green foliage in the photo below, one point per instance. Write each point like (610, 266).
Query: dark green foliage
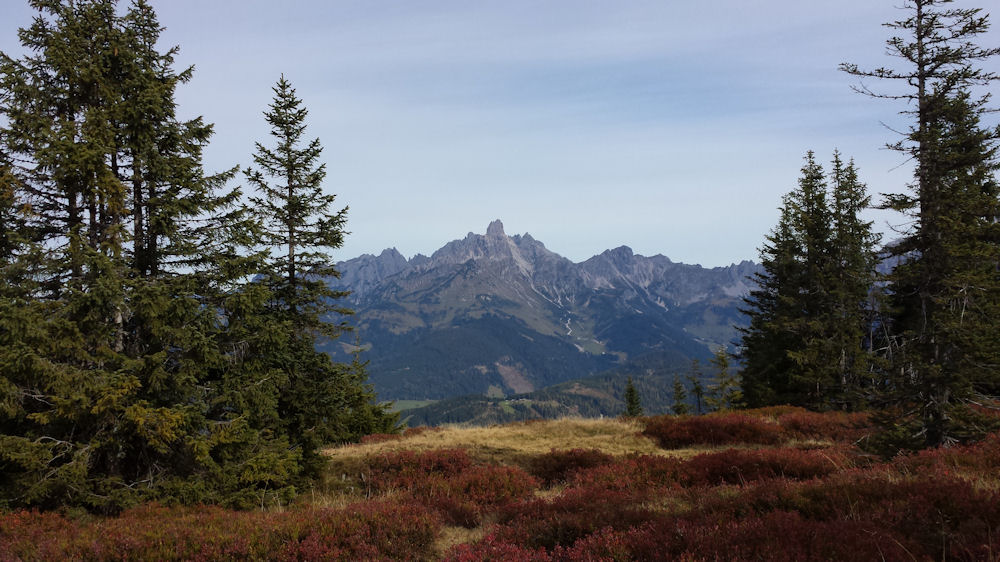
(680, 407)
(321, 401)
(945, 291)
(136, 360)
(855, 299)
(694, 377)
(808, 341)
(724, 394)
(633, 404)
(108, 367)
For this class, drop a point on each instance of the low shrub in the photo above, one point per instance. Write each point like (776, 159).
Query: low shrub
(778, 536)
(981, 459)
(935, 515)
(449, 482)
(368, 531)
(563, 520)
(672, 432)
(638, 476)
(559, 466)
(380, 438)
(837, 426)
(493, 549)
(774, 412)
(738, 466)
(406, 469)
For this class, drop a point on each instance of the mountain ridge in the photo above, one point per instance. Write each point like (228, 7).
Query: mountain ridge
(503, 303)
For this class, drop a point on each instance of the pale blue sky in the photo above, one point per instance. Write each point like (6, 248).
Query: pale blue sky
(671, 127)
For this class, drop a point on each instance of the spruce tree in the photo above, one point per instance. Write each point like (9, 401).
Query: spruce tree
(944, 291)
(809, 317)
(323, 401)
(813, 379)
(767, 339)
(725, 393)
(680, 407)
(633, 404)
(853, 290)
(63, 347)
(697, 386)
(114, 355)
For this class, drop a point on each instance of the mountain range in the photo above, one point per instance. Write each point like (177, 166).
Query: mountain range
(498, 315)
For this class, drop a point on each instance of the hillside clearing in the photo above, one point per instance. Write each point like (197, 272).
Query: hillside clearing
(509, 444)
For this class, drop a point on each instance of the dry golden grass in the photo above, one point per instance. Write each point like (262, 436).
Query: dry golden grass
(513, 444)
(452, 536)
(509, 444)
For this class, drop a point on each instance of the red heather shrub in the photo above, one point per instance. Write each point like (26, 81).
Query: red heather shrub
(737, 466)
(779, 536)
(935, 517)
(773, 412)
(723, 429)
(947, 517)
(493, 485)
(837, 426)
(392, 530)
(30, 535)
(406, 469)
(492, 549)
(558, 466)
(420, 430)
(448, 481)
(563, 520)
(368, 531)
(465, 498)
(638, 476)
(981, 459)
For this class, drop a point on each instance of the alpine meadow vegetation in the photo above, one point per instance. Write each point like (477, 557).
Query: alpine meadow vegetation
(771, 490)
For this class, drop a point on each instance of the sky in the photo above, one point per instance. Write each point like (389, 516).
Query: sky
(670, 127)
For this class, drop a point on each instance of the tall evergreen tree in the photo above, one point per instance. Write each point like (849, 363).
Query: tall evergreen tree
(945, 291)
(680, 407)
(853, 289)
(767, 339)
(697, 386)
(725, 393)
(805, 343)
(323, 400)
(812, 375)
(115, 359)
(633, 404)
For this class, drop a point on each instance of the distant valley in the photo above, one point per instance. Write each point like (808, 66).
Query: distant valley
(496, 315)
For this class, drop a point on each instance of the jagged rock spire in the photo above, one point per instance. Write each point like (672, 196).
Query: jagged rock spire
(495, 229)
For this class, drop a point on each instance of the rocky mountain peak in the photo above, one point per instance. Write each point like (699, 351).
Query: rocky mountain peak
(621, 254)
(495, 229)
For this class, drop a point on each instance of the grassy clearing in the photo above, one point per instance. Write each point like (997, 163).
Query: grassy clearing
(511, 444)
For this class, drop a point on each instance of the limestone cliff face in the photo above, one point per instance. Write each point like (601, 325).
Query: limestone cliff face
(515, 297)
